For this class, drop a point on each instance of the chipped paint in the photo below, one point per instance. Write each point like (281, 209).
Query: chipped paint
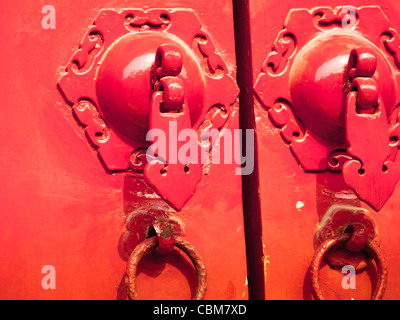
(246, 283)
(299, 205)
(265, 263)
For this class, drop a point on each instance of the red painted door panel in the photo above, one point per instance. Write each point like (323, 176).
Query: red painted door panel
(80, 200)
(63, 207)
(293, 55)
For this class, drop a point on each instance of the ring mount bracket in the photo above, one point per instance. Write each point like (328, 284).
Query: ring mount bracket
(356, 222)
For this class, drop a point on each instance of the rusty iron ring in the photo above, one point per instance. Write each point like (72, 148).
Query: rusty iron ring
(150, 244)
(371, 247)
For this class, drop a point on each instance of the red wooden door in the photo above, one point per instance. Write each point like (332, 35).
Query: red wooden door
(82, 85)
(300, 52)
(67, 201)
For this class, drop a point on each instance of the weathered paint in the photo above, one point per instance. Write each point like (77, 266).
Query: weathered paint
(61, 206)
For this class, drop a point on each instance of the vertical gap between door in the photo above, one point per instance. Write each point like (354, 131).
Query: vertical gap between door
(250, 183)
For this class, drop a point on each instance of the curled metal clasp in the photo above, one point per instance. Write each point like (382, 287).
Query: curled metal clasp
(371, 173)
(169, 115)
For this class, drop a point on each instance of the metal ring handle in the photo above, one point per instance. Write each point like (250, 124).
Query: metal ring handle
(147, 246)
(330, 243)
